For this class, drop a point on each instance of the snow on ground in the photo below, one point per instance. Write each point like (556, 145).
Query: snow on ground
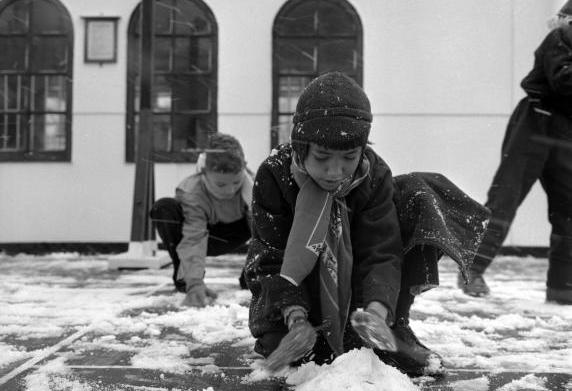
(137, 314)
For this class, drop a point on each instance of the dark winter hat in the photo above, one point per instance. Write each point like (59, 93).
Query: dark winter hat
(334, 112)
(566, 10)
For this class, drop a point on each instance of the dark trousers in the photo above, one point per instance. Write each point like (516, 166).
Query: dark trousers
(224, 238)
(536, 147)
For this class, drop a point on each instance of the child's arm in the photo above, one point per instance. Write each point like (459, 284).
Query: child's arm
(272, 217)
(192, 249)
(377, 245)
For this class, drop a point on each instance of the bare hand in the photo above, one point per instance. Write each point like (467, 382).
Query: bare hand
(198, 295)
(373, 330)
(296, 344)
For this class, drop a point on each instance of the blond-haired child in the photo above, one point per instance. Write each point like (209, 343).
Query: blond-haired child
(209, 216)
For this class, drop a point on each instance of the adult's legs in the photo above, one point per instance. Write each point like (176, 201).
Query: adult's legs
(523, 158)
(557, 182)
(167, 215)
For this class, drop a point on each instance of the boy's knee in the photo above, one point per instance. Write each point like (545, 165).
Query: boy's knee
(165, 206)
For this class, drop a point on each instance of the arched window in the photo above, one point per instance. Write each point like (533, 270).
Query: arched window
(184, 99)
(310, 37)
(36, 54)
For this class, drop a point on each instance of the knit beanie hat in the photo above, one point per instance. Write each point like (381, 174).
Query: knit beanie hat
(333, 111)
(566, 10)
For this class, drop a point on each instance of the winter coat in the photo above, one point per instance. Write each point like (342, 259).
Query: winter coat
(200, 210)
(433, 212)
(550, 80)
(541, 120)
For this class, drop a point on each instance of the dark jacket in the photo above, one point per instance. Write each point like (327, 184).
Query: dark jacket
(550, 79)
(388, 216)
(377, 258)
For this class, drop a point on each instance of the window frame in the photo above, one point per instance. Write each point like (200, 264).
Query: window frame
(25, 115)
(186, 156)
(316, 38)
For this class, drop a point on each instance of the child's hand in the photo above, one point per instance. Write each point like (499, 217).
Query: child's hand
(372, 327)
(296, 344)
(198, 295)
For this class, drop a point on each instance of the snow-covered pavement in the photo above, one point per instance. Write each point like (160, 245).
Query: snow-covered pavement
(69, 323)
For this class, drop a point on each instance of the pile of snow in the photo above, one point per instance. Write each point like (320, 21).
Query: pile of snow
(357, 370)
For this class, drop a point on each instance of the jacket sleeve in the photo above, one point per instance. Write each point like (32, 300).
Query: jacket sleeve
(272, 221)
(377, 246)
(558, 62)
(192, 249)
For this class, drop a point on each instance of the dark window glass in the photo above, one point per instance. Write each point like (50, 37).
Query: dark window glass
(310, 37)
(36, 42)
(295, 56)
(14, 50)
(15, 19)
(184, 80)
(337, 55)
(49, 54)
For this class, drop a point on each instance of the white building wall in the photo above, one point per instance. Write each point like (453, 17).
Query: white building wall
(442, 75)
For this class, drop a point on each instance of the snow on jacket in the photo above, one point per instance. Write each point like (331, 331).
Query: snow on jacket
(201, 209)
(374, 230)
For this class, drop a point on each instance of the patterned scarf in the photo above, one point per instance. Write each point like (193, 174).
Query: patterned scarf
(321, 232)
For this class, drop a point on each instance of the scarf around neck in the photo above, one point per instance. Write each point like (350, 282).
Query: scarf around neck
(321, 232)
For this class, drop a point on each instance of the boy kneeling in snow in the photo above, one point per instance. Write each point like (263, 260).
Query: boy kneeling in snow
(209, 216)
(334, 232)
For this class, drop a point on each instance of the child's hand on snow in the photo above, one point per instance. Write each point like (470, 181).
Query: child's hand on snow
(198, 295)
(372, 327)
(296, 344)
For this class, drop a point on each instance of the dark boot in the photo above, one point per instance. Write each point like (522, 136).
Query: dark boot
(559, 276)
(412, 356)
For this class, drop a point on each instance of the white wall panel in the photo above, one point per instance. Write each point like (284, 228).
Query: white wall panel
(443, 77)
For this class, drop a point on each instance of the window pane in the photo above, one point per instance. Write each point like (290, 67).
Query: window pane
(162, 95)
(49, 54)
(333, 20)
(191, 94)
(290, 89)
(295, 56)
(10, 132)
(193, 54)
(13, 57)
(284, 128)
(191, 132)
(299, 21)
(162, 133)
(162, 49)
(14, 19)
(49, 132)
(49, 93)
(47, 18)
(12, 91)
(190, 19)
(337, 55)
(163, 15)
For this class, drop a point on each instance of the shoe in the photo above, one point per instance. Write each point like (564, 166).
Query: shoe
(476, 287)
(180, 286)
(412, 356)
(242, 280)
(559, 296)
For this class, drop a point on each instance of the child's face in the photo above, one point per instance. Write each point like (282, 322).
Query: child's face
(330, 167)
(224, 185)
